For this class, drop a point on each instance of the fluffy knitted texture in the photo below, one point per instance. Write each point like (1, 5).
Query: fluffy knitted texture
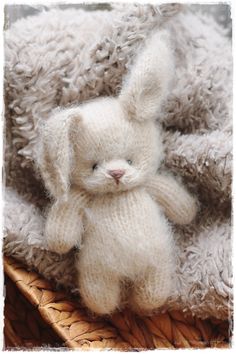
(199, 106)
(96, 160)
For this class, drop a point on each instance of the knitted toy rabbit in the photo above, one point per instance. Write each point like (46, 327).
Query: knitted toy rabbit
(99, 161)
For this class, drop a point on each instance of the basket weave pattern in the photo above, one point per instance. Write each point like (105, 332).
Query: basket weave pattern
(24, 327)
(43, 316)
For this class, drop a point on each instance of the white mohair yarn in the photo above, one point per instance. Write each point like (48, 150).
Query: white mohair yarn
(99, 157)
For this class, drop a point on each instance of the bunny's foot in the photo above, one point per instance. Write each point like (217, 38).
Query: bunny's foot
(150, 292)
(100, 291)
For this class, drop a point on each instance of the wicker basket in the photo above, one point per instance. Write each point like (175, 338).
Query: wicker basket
(36, 315)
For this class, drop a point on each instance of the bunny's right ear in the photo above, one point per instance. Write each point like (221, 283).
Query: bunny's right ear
(55, 150)
(149, 78)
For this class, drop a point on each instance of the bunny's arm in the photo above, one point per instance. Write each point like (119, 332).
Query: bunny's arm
(179, 206)
(64, 225)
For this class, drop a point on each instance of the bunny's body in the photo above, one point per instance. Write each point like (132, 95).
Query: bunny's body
(134, 237)
(100, 161)
(131, 230)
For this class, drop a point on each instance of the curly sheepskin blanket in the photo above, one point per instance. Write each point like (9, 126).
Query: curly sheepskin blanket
(58, 58)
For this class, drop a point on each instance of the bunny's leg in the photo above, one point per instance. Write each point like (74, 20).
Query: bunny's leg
(151, 291)
(100, 291)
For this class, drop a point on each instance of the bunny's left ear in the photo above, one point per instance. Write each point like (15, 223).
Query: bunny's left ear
(55, 151)
(147, 84)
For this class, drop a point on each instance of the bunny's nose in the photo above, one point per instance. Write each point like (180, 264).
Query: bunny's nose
(116, 174)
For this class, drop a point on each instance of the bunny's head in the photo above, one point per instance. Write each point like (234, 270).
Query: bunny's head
(109, 145)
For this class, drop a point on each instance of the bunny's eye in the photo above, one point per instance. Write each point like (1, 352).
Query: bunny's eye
(95, 166)
(130, 162)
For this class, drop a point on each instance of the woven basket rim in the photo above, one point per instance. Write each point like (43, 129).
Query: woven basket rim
(123, 331)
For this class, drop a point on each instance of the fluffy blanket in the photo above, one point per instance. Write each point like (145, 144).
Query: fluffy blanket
(58, 58)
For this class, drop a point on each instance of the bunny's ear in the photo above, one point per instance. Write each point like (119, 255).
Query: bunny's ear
(56, 149)
(147, 84)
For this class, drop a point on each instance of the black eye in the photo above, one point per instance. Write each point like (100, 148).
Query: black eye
(95, 166)
(130, 162)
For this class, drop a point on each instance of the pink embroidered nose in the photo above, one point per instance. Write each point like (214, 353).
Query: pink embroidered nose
(116, 174)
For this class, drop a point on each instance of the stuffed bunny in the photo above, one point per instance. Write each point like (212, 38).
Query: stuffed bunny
(99, 161)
